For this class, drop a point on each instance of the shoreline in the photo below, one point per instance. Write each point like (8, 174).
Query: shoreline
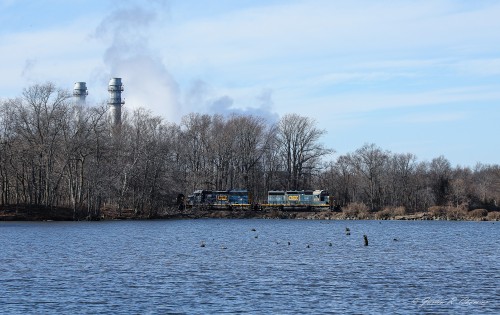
(30, 213)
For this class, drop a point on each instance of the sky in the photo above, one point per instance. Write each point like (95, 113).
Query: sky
(419, 77)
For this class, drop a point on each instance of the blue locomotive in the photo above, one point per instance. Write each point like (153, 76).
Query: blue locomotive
(220, 198)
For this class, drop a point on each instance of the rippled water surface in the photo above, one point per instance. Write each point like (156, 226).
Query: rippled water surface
(249, 266)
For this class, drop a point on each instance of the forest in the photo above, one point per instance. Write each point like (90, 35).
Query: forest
(54, 153)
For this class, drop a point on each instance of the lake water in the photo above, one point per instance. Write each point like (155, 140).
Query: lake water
(249, 267)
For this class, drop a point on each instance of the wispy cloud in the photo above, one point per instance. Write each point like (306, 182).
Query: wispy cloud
(28, 67)
(6, 3)
(336, 55)
(481, 67)
(383, 100)
(61, 55)
(431, 117)
(330, 28)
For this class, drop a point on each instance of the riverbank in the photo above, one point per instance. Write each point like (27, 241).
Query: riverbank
(39, 213)
(35, 213)
(329, 215)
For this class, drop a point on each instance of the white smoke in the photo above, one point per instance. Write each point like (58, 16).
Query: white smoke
(200, 96)
(263, 103)
(146, 80)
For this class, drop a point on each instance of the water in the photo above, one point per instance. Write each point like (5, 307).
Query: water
(159, 267)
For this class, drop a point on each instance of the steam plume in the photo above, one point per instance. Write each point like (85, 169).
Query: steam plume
(146, 80)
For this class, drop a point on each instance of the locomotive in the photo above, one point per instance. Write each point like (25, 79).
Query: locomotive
(220, 198)
(276, 199)
(299, 199)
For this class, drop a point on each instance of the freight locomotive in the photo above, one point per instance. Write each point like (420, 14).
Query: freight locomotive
(276, 199)
(220, 198)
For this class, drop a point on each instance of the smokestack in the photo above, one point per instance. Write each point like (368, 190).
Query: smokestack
(115, 102)
(80, 93)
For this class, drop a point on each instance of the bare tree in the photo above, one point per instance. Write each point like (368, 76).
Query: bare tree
(253, 137)
(40, 121)
(341, 179)
(297, 139)
(223, 144)
(401, 170)
(461, 190)
(150, 155)
(195, 151)
(7, 135)
(370, 162)
(440, 174)
(78, 148)
(486, 186)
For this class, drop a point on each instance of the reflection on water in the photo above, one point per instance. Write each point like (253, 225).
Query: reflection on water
(249, 266)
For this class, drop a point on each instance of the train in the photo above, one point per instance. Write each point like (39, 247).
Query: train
(286, 200)
(220, 198)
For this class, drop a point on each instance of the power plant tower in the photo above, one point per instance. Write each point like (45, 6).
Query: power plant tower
(115, 102)
(80, 93)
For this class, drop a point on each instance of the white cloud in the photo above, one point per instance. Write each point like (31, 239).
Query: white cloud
(6, 3)
(63, 56)
(306, 51)
(329, 56)
(431, 117)
(481, 67)
(354, 112)
(330, 28)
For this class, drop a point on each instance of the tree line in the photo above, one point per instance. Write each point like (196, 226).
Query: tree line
(54, 152)
(380, 179)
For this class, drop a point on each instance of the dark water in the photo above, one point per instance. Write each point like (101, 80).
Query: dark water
(159, 267)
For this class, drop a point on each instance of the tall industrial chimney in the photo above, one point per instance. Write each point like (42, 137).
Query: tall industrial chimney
(115, 102)
(80, 93)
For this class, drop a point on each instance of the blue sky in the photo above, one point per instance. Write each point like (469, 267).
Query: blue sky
(419, 77)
